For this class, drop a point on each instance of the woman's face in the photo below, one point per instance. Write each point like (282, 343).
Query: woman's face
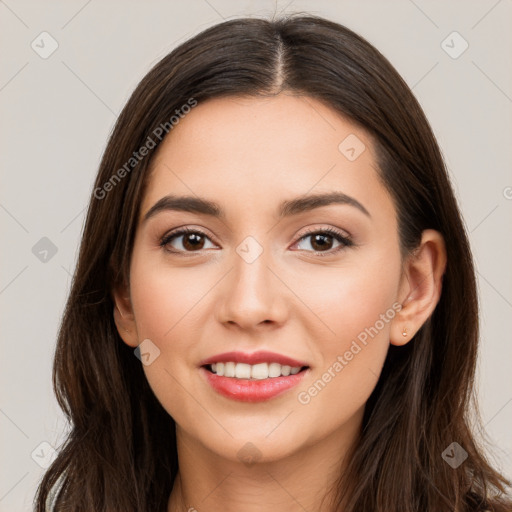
(264, 275)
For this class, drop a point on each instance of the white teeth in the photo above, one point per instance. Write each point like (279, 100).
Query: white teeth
(258, 371)
(243, 371)
(274, 370)
(285, 370)
(229, 369)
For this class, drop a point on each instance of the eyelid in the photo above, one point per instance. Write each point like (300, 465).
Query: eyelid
(331, 230)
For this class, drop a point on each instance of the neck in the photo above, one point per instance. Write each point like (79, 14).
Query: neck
(207, 481)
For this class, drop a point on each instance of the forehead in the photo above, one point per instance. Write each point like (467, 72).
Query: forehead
(251, 153)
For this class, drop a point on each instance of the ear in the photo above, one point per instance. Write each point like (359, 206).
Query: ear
(420, 287)
(123, 315)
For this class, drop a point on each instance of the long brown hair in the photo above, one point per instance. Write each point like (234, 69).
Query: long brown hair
(120, 454)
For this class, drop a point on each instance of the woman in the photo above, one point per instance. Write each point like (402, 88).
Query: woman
(274, 306)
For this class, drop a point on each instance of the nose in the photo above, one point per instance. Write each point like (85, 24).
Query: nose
(253, 297)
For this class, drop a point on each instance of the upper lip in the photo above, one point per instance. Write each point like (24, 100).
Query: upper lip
(261, 356)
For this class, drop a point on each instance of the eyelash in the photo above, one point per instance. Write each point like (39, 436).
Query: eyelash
(344, 240)
(337, 235)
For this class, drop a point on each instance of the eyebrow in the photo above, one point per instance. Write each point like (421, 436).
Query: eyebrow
(287, 208)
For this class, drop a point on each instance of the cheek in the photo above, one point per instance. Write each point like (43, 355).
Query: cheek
(357, 306)
(170, 305)
(165, 299)
(352, 299)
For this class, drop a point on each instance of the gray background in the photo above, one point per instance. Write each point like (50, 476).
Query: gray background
(57, 113)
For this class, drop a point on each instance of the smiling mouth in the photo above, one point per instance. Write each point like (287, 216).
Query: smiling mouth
(260, 371)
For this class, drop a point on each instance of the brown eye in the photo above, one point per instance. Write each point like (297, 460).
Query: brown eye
(185, 240)
(321, 242)
(327, 241)
(193, 241)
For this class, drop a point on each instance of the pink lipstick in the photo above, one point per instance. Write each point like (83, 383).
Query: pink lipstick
(252, 377)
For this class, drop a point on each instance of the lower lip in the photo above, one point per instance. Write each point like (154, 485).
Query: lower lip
(245, 390)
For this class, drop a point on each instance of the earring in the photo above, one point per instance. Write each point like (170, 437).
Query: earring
(404, 332)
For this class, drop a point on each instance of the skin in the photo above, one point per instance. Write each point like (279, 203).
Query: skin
(249, 155)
